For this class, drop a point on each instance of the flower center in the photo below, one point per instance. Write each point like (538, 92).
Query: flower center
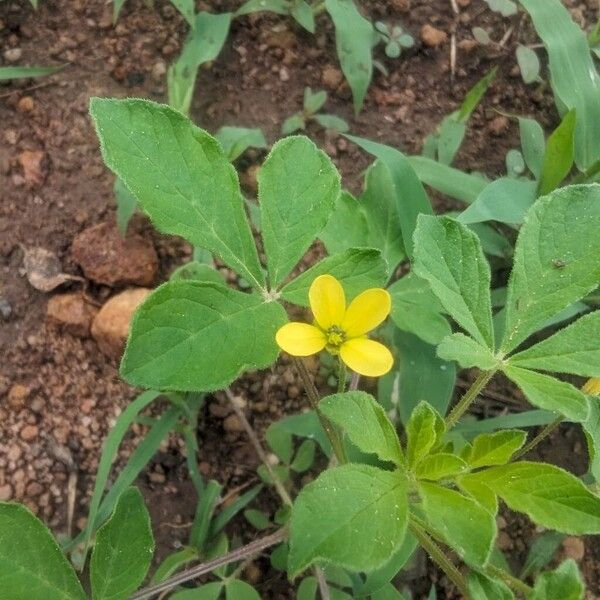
(335, 338)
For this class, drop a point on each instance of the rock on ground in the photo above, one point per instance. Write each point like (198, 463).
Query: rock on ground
(72, 313)
(111, 325)
(110, 259)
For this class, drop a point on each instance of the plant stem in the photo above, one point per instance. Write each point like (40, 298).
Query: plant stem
(354, 381)
(438, 556)
(313, 397)
(341, 376)
(470, 396)
(544, 433)
(239, 554)
(513, 582)
(283, 493)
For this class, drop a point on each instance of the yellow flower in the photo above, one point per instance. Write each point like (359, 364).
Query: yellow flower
(591, 387)
(341, 330)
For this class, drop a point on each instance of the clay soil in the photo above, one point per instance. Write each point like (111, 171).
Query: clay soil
(59, 394)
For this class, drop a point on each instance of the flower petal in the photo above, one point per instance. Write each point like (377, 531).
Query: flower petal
(591, 387)
(327, 301)
(366, 311)
(300, 339)
(366, 356)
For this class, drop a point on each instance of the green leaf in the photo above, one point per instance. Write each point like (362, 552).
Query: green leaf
(550, 496)
(557, 260)
(281, 7)
(549, 393)
(559, 154)
(475, 95)
(591, 428)
(378, 578)
(305, 457)
(515, 163)
(197, 271)
(298, 186)
(31, 562)
(467, 352)
(208, 591)
(423, 430)
(236, 140)
(451, 136)
(183, 325)
(411, 198)
(483, 587)
(529, 64)
(257, 518)
(180, 177)
(303, 13)
(495, 448)
(332, 123)
(374, 505)
(573, 74)
(174, 562)
(347, 227)
(440, 466)
(506, 8)
(564, 583)
(541, 552)
(240, 590)
(356, 269)
(379, 205)
(448, 180)
(202, 44)
(314, 101)
(533, 144)
(8, 73)
(293, 123)
(574, 349)
(280, 441)
(528, 418)
(505, 200)
(422, 374)
(479, 492)
(464, 524)
(186, 8)
(123, 549)
(450, 258)
(415, 309)
(365, 423)
(126, 205)
(353, 40)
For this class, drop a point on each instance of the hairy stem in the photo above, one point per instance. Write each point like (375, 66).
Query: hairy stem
(341, 376)
(543, 434)
(313, 397)
(242, 553)
(470, 396)
(513, 582)
(439, 557)
(283, 493)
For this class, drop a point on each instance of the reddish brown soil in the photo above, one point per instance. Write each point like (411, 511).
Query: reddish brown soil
(71, 392)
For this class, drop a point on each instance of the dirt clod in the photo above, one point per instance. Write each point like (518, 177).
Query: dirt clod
(35, 167)
(432, 36)
(111, 325)
(108, 258)
(72, 313)
(29, 433)
(574, 548)
(43, 269)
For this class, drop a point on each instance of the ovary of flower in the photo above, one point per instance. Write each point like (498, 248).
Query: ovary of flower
(340, 330)
(591, 387)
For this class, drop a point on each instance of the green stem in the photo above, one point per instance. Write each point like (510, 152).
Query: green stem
(513, 582)
(191, 447)
(341, 376)
(543, 434)
(470, 396)
(313, 397)
(585, 176)
(438, 556)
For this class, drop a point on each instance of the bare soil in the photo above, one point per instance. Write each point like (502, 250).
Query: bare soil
(58, 394)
